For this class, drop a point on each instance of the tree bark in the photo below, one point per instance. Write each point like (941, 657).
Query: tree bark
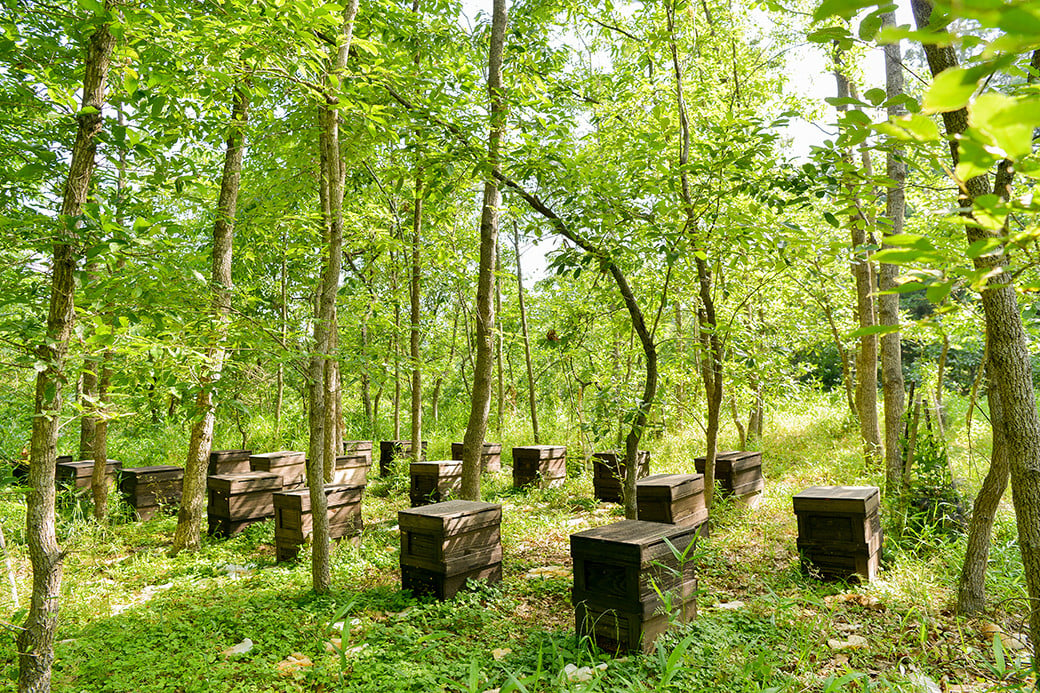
(500, 393)
(321, 446)
(36, 639)
(193, 495)
(413, 332)
(99, 475)
(88, 402)
(480, 401)
(1011, 369)
(531, 398)
(892, 382)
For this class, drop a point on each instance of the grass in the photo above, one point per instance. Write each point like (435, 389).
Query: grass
(134, 619)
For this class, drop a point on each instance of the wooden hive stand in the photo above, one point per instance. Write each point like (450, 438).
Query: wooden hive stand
(288, 464)
(608, 474)
(621, 573)
(390, 450)
(490, 456)
(238, 500)
(433, 482)
(839, 531)
(739, 473)
(675, 499)
(445, 544)
(147, 489)
(228, 462)
(545, 465)
(294, 522)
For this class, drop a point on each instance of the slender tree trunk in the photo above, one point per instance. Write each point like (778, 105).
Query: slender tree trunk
(480, 402)
(193, 495)
(413, 333)
(321, 448)
(500, 392)
(99, 476)
(741, 431)
(531, 398)
(397, 353)
(1010, 365)
(863, 273)
(888, 303)
(283, 312)
(88, 403)
(35, 640)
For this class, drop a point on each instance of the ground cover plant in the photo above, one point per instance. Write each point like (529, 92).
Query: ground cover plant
(135, 619)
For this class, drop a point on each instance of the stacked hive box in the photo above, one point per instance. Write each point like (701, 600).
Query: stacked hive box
(290, 465)
(542, 464)
(148, 488)
(608, 474)
(490, 457)
(444, 544)
(676, 499)
(361, 448)
(77, 475)
(20, 469)
(839, 530)
(352, 470)
(739, 473)
(621, 572)
(294, 522)
(432, 482)
(238, 500)
(390, 450)
(228, 462)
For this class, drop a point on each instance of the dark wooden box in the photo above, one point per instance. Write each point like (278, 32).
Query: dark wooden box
(839, 530)
(608, 474)
(618, 632)
(490, 457)
(228, 462)
(433, 482)
(147, 488)
(676, 499)
(739, 473)
(545, 465)
(294, 522)
(288, 464)
(390, 450)
(354, 448)
(237, 500)
(352, 469)
(624, 565)
(444, 544)
(77, 475)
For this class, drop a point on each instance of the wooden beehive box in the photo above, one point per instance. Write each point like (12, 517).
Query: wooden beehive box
(294, 522)
(228, 462)
(433, 482)
(146, 489)
(676, 499)
(539, 464)
(77, 475)
(358, 447)
(444, 544)
(238, 500)
(608, 474)
(739, 473)
(839, 530)
(390, 450)
(620, 573)
(352, 469)
(490, 457)
(288, 464)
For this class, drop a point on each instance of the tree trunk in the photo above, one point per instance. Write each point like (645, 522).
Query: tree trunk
(888, 314)
(480, 401)
(88, 403)
(500, 393)
(1011, 369)
(193, 494)
(863, 272)
(413, 341)
(99, 476)
(321, 446)
(35, 640)
(531, 398)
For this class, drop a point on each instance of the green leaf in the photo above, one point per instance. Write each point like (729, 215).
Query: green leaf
(913, 128)
(1007, 122)
(832, 220)
(975, 159)
(873, 329)
(937, 293)
(841, 8)
(951, 90)
(875, 96)
(869, 26)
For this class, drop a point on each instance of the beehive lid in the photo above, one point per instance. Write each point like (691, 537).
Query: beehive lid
(673, 486)
(542, 452)
(449, 517)
(245, 482)
(436, 468)
(632, 541)
(862, 500)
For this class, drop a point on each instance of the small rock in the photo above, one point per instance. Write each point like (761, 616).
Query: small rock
(293, 664)
(1015, 641)
(989, 629)
(237, 570)
(334, 645)
(730, 606)
(579, 674)
(500, 653)
(601, 667)
(923, 684)
(855, 642)
(548, 571)
(241, 648)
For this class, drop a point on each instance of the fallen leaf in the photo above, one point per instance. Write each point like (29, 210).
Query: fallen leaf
(500, 653)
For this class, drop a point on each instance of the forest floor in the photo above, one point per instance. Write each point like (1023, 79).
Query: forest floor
(134, 619)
